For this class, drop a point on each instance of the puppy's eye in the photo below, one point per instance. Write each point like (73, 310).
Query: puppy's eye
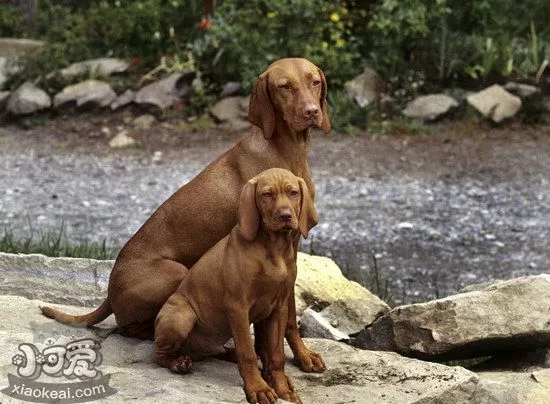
(267, 194)
(294, 193)
(285, 87)
(316, 83)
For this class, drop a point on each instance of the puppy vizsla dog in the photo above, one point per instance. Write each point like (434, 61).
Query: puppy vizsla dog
(247, 277)
(287, 100)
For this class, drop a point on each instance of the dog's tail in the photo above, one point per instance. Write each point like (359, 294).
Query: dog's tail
(99, 314)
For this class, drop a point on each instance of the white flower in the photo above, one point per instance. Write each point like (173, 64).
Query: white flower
(156, 35)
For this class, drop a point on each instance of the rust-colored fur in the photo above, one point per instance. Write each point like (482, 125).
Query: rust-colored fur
(245, 278)
(289, 98)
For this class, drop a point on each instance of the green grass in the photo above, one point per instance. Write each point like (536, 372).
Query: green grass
(55, 243)
(467, 363)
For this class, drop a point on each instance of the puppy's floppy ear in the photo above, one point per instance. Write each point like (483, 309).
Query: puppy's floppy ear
(260, 108)
(308, 215)
(248, 215)
(325, 125)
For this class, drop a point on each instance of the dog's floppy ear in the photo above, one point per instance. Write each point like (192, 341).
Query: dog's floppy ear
(308, 215)
(325, 125)
(260, 108)
(248, 215)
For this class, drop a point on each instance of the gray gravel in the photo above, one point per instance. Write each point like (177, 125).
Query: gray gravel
(429, 233)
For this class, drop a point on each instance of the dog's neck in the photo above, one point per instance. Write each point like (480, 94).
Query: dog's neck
(290, 143)
(278, 243)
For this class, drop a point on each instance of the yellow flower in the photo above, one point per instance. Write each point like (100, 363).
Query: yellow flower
(272, 14)
(334, 17)
(340, 43)
(344, 10)
(324, 44)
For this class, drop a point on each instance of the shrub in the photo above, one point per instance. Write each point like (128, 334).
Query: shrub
(248, 35)
(447, 42)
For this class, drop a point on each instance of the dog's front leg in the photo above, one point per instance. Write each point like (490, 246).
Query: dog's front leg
(273, 358)
(255, 388)
(305, 358)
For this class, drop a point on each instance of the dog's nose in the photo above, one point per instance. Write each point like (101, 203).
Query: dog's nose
(285, 215)
(311, 111)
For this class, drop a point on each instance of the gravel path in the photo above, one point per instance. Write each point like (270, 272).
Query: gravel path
(435, 212)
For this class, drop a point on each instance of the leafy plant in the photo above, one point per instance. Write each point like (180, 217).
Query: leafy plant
(345, 114)
(249, 35)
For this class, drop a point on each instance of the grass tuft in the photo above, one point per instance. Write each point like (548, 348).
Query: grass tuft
(55, 243)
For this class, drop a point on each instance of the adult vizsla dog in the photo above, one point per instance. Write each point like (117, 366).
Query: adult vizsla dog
(287, 100)
(247, 277)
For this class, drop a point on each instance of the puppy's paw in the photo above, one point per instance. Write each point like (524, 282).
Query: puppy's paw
(182, 365)
(309, 361)
(260, 393)
(285, 389)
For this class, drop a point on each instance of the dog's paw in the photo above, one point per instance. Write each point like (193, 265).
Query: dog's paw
(182, 365)
(309, 361)
(260, 393)
(285, 389)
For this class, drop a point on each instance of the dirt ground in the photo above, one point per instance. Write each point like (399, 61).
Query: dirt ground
(411, 215)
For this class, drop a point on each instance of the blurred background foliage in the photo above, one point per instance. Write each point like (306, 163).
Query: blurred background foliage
(463, 43)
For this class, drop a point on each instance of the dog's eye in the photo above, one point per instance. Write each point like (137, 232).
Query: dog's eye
(294, 193)
(285, 87)
(267, 194)
(316, 83)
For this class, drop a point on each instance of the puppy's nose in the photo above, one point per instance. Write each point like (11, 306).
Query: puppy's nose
(311, 111)
(285, 215)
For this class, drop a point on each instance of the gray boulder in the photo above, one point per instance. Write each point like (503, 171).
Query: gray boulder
(103, 67)
(124, 99)
(232, 111)
(86, 94)
(321, 283)
(165, 93)
(521, 90)
(365, 88)
(27, 99)
(352, 316)
(430, 107)
(504, 316)
(76, 281)
(352, 375)
(528, 387)
(495, 103)
(82, 281)
(230, 89)
(314, 325)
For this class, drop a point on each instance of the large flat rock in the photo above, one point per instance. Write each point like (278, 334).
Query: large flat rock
(77, 281)
(353, 375)
(82, 281)
(503, 316)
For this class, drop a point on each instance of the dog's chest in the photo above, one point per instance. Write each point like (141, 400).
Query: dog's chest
(272, 287)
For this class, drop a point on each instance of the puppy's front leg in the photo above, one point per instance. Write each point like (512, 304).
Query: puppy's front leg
(274, 358)
(305, 358)
(255, 388)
